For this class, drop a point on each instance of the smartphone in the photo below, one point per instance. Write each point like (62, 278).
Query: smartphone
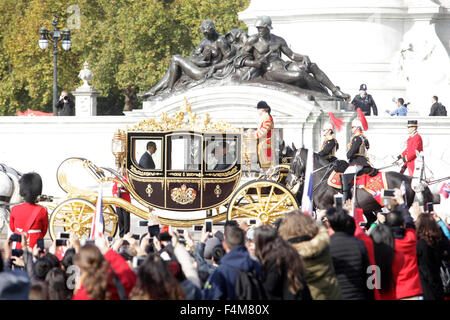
(251, 221)
(15, 237)
(208, 225)
(135, 236)
(154, 230)
(64, 235)
(197, 228)
(61, 242)
(180, 231)
(137, 261)
(143, 223)
(16, 252)
(40, 244)
(428, 207)
(338, 201)
(387, 193)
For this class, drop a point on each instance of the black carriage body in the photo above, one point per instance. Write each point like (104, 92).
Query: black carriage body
(183, 178)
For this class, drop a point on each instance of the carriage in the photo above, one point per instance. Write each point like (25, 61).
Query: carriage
(184, 187)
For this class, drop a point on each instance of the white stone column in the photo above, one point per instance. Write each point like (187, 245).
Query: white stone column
(86, 95)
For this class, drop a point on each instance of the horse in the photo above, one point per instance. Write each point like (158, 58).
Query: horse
(323, 194)
(9, 192)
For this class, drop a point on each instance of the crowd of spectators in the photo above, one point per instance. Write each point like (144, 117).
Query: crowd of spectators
(332, 256)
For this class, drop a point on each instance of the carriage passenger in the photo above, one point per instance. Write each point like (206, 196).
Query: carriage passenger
(29, 217)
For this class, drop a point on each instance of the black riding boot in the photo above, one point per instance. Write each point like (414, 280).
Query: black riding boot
(345, 180)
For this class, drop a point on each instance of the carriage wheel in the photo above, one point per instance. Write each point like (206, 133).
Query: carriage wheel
(261, 199)
(75, 215)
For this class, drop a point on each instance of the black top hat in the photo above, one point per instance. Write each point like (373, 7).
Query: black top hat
(262, 105)
(412, 123)
(363, 87)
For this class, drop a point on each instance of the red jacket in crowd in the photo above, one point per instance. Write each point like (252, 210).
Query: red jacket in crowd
(397, 266)
(408, 283)
(123, 271)
(30, 218)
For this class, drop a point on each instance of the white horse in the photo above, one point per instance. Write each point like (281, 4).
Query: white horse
(9, 193)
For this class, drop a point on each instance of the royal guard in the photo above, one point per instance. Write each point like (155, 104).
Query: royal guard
(29, 217)
(124, 216)
(264, 136)
(413, 144)
(356, 153)
(330, 145)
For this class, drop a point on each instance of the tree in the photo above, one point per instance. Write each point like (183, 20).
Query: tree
(127, 43)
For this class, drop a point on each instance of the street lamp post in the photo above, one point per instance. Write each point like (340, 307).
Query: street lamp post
(55, 36)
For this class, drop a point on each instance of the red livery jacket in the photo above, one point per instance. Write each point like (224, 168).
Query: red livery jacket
(124, 194)
(413, 143)
(29, 218)
(264, 136)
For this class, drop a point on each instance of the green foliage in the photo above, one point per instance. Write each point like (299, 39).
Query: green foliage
(127, 43)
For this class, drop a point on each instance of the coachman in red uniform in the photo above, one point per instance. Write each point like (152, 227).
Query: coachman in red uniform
(413, 144)
(29, 217)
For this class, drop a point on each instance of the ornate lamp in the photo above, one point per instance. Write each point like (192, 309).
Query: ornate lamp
(118, 147)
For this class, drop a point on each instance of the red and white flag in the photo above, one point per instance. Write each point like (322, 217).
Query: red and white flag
(97, 227)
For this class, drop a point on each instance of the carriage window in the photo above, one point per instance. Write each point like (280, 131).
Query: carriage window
(185, 153)
(220, 154)
(147, 153)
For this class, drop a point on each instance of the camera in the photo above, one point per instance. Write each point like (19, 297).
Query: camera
(66, 98)
(40, 244)
(64, 235)
(251, 221)
(15, 237)
(143, 223)
(135, 236)
(197, 228)
(208, 225)
(387, 193)
(338, 201)
(180, 231)
(428, 207)
(154, 230)
(137, 261)
(61, 242)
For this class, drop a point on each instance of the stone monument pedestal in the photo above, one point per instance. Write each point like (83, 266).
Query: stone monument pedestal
(86, 95)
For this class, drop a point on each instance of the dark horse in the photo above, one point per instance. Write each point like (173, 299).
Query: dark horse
(323, 193)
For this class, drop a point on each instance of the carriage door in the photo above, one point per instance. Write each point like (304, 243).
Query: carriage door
(184, 171)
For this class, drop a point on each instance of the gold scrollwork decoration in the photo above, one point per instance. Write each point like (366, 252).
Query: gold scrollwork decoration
(149, 190)
(217, 191)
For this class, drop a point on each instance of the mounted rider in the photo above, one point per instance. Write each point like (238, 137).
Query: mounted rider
(356, 154)
(330, 145)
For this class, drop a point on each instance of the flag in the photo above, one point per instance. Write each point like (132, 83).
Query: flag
(97, 227)
(445, 190)
(377, 196)
(307, 197)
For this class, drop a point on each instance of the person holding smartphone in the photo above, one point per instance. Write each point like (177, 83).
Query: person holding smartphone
(29, 217)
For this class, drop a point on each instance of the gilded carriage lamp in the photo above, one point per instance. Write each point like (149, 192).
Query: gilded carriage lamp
(118, 148)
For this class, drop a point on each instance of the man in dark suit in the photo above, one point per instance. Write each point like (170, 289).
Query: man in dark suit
(146, 161)
(220, 153)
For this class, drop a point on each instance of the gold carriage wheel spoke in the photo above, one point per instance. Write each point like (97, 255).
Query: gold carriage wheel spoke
(258, 192)
(278, 204)
(86, 219)
(62, 225)
(269, 198)
(247, 212)
(249, 198)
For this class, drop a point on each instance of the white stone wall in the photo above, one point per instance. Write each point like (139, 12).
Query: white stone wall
(399, 48)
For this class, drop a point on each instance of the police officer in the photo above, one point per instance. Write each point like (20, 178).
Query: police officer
(365, 101)
(329, 145)
(356, 155)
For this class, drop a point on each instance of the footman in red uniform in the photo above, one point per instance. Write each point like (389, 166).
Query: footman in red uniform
(413, 144)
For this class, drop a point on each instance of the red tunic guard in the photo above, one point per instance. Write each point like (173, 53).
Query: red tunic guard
(413, 144)
(29, 218)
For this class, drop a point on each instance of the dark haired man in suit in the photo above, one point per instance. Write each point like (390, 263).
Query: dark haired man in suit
(146, 161)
